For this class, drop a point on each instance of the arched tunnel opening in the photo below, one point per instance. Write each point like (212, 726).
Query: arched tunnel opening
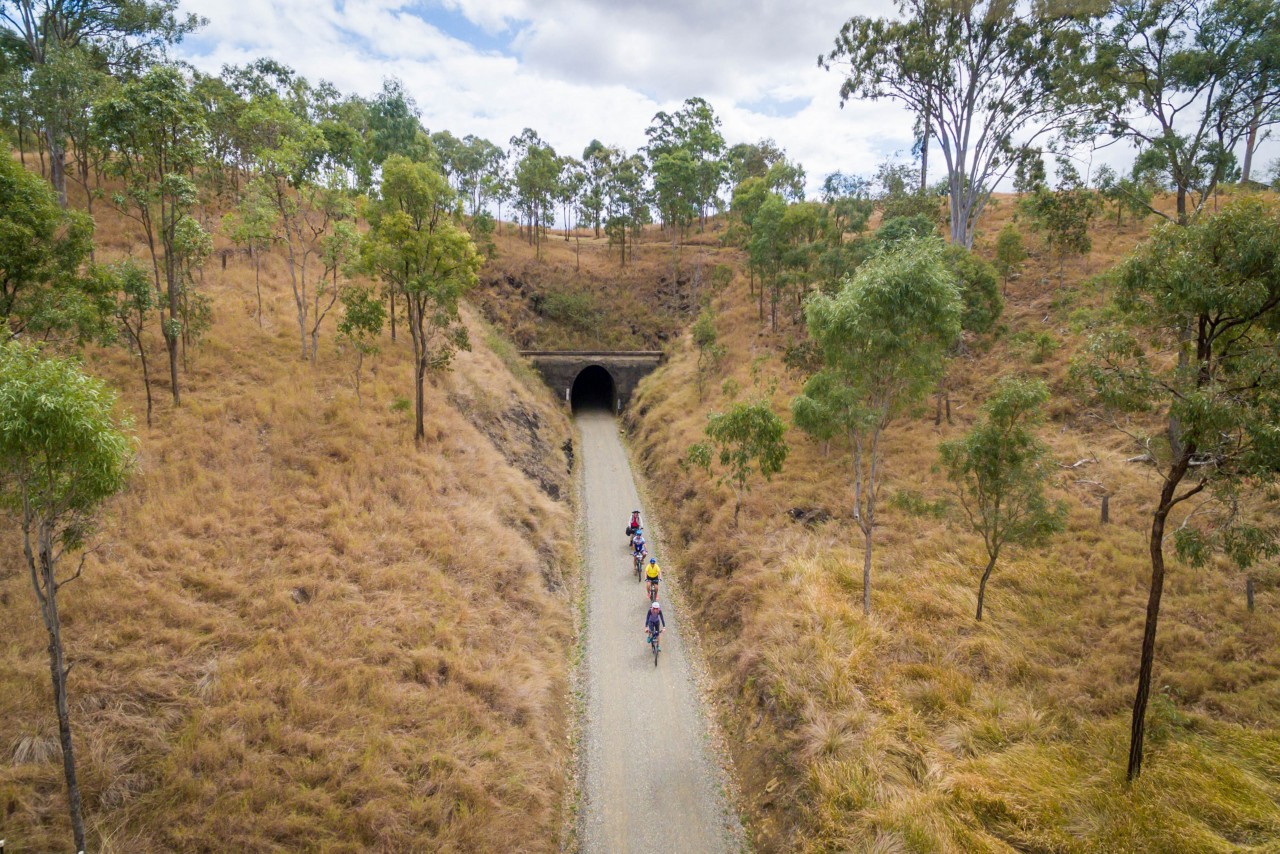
(593, 388)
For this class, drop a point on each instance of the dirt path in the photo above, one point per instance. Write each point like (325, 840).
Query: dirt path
(651, 782)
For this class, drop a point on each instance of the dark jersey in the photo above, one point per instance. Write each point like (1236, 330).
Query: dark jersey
(654, 620)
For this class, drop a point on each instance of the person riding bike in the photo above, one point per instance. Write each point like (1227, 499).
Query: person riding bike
(634, 524)
(654, 622)
(652, 576)
(637, 542)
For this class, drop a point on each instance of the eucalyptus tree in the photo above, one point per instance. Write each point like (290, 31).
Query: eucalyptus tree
(535, 176)
(42, 251)
(253, 225)
(154, 128)
(745, 441)
(476, 159)
(363, 316)
(55, 31)
(394, 126)
(751, 160)
(288, 150)
(61, 456)
(627, 201)
(1199, 309)
(999, 473)
(1185, 81)
(596, 158)
(988, 77)
(1064, 215)
(884, 339)
(131, 302)
(699, 172)
(417, 245)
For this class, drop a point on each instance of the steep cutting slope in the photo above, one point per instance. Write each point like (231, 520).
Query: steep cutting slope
(920, 729)
(301, 633)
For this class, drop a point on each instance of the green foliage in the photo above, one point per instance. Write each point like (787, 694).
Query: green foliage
(913, 503)
(42, 249)
(1036, 346)
(999, 69)
(748, 439)
(1064, 215)
(1186, 83)
(576, 309)
(884, 339)
(1208, 292)
(361, 322)
(61, 453)
(710, 351)
(418, 246)
(686, 153)
(979, 289)
(999, 473)
(911, 227)
(1010, 253)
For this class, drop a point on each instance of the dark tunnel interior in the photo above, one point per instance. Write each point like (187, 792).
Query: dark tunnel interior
(592, 389)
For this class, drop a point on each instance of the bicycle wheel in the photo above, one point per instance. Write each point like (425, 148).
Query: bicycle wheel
(656, 650)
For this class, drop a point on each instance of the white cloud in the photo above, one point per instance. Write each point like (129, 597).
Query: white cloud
(574, 70)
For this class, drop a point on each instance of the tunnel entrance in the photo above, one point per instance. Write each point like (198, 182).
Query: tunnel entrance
(592, 389)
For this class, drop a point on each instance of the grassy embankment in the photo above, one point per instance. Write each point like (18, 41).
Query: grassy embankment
(920, 729)
(300, 633)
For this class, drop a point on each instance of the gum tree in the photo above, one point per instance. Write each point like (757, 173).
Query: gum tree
(61, 456)
(884, 339)
(1201, 311)
(998, 472)
(746, 440)
(155, 130)
(418, 246)
(986, 79)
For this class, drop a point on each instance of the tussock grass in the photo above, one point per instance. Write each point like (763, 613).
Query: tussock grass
(920, 729)
(301, 633)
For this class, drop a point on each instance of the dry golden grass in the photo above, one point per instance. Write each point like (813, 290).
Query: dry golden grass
(578, 296)
(920, 729)
(301, 633)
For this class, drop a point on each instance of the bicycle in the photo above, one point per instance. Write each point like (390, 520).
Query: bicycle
(653, 642)
(653, 589)
(639, 559)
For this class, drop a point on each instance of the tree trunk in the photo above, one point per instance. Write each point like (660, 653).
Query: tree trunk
(867, 532)
(1106, 509)
(924, 153)
(146, 374)
(1251, 142)
(1156, 548)
(982, 585)
(46, 584)
(1248, 592)
(57, 166)
(171, 339)
(257, 284)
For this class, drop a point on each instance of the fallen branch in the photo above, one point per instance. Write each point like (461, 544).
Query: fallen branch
(1078, 463)
(1141, 458)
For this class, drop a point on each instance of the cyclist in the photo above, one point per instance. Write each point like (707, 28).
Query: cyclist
(654, 622)
(634, 525)
(652, 576)
(637, 542)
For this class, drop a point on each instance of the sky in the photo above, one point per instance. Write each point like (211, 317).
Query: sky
(577, 70)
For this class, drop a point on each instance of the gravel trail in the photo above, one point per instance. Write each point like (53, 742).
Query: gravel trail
(651, 781)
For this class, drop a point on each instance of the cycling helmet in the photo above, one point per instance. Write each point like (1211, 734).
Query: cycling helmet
(655, 606)
(653, 560)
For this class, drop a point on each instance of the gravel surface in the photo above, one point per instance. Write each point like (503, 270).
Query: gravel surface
(651, 782)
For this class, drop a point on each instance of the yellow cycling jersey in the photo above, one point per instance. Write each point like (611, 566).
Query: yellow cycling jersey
(653, 570)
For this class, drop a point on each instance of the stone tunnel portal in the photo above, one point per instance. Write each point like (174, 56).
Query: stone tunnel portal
(601, 378)
(593, 388)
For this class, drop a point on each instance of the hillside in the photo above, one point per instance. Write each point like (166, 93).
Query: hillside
(299, 632)
(576, 295)
(920, 729)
